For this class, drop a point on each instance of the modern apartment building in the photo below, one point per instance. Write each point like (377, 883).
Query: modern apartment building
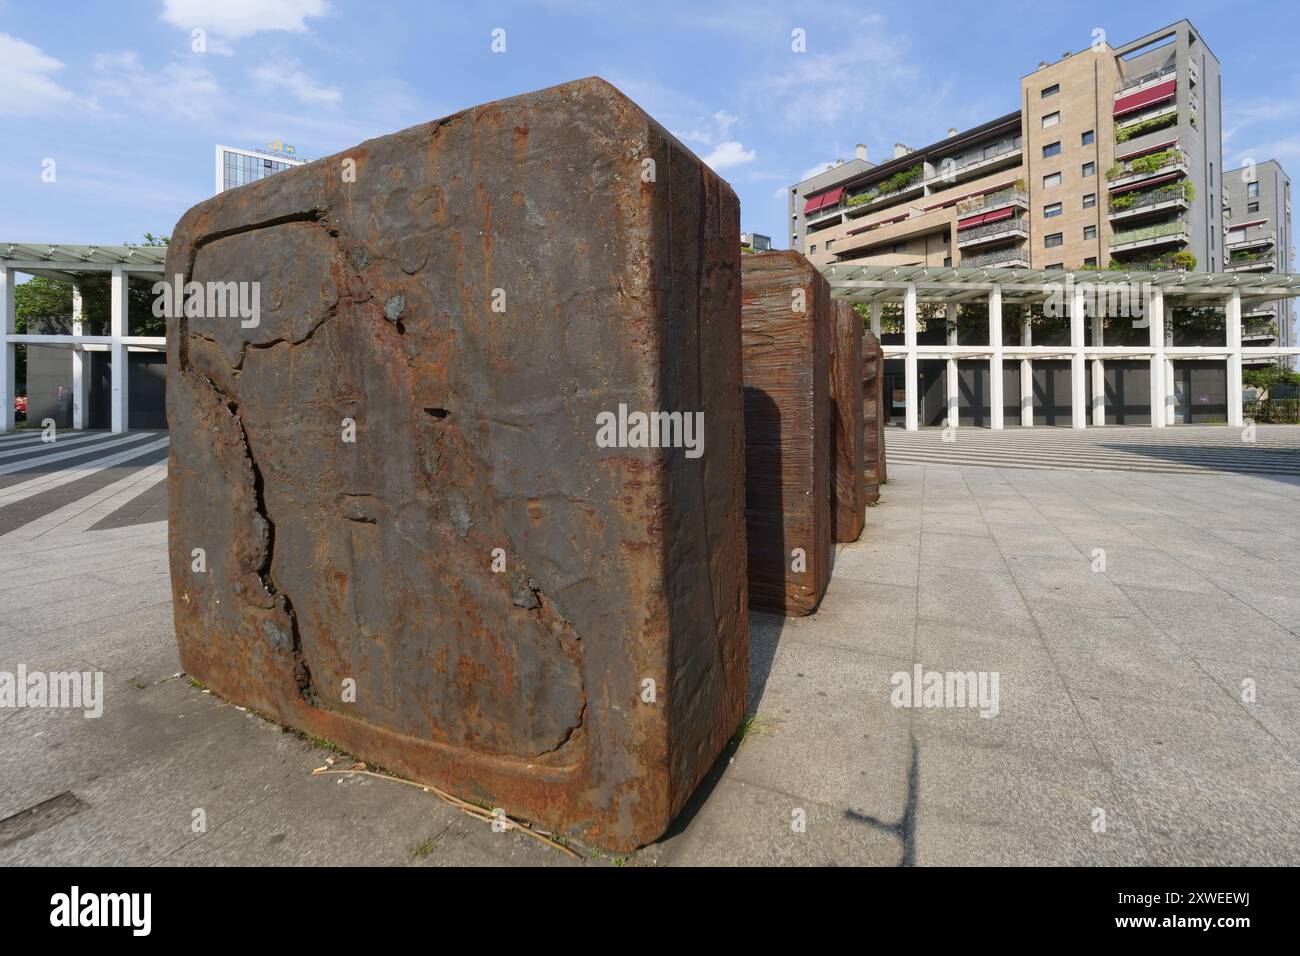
(1114, 155)
(1257, 222)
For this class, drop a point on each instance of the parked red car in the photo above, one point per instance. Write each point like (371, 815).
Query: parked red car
(20, 408)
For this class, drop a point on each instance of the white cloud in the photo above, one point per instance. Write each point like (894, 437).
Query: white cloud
(178, 89)
(242, 18)
(729, 154)
(716, 129)
(26, 77)
(289, 76)
(849, 82)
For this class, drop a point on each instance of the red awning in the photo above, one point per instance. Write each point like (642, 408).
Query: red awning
(1154, 94)
(985, 217)
(823, 200)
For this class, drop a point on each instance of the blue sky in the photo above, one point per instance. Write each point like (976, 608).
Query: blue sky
(130, 113)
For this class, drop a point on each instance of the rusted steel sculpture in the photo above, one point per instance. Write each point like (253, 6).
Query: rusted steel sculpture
(416, 508)
(848, 492)
(875, 412)
(786, 324)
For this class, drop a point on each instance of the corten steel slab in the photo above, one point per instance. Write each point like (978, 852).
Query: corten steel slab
(848, 491)
(786, 323)
(473, 298)
(873, 415)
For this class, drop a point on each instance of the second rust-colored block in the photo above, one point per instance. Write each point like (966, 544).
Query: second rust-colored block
(786, 329)
(848, 501)
(875, 413)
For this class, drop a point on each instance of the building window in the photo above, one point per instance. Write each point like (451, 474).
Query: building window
(1090, 261)
(1051, 119)
(829, 244)
(1087, 138)
(1090, 232)
(1051, 179)
(1050, 91)
(1252, 190)
(1054, 209)
(1053, 240)
(1252, 207)
(947, 261)
(813, 247)
(1089, 200)
(1052, 149)
(1055, 265)
(1089, 169)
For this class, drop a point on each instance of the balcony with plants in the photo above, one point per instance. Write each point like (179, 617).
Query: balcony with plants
(1181, 261)
(1250, 261)
(1136, 84)
(1140, 202)
(895, 187)
(991, 202)
(1147, 237)
(1148, 122)
(1171, 161)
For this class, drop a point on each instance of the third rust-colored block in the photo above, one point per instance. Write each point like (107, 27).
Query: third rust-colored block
(437, 530)
(848, 491)
(786, 325)
(875, 411)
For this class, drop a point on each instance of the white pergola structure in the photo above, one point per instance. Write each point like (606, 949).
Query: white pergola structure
(911, 286)
(70, 264)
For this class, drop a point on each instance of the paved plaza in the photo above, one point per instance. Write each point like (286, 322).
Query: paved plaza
(1134, 594)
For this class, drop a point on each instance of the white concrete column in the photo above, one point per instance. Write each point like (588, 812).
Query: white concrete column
(1233, 316)
(910, 416)
(875, 320)
(995, 360)
(1171, 394)
(8, 353)
(1026, 372)
(118, 350)
(951, 385)
(1078, 389)
(1098, 370)
(80, 365)
(1156, 330)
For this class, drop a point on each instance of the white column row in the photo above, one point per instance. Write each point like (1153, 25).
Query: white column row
(118, 354)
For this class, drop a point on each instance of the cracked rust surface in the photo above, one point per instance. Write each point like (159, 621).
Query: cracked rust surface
(370, 561)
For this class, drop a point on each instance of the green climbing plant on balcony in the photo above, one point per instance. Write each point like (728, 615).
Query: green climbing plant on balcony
(895, 183)
(1125, 133)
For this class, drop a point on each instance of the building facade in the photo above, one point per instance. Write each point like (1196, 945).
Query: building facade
(1257, 222)
(1114, 157)
(238, 167)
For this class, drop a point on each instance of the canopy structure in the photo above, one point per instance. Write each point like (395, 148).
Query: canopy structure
(71, 263)
(1088, 298)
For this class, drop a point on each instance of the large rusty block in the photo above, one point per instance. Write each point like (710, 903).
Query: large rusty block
(786, 324)
(875, 413)
(848, 491)
(422, 541)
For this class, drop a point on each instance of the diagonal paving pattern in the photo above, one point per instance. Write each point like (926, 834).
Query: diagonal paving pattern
(1120, 692)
